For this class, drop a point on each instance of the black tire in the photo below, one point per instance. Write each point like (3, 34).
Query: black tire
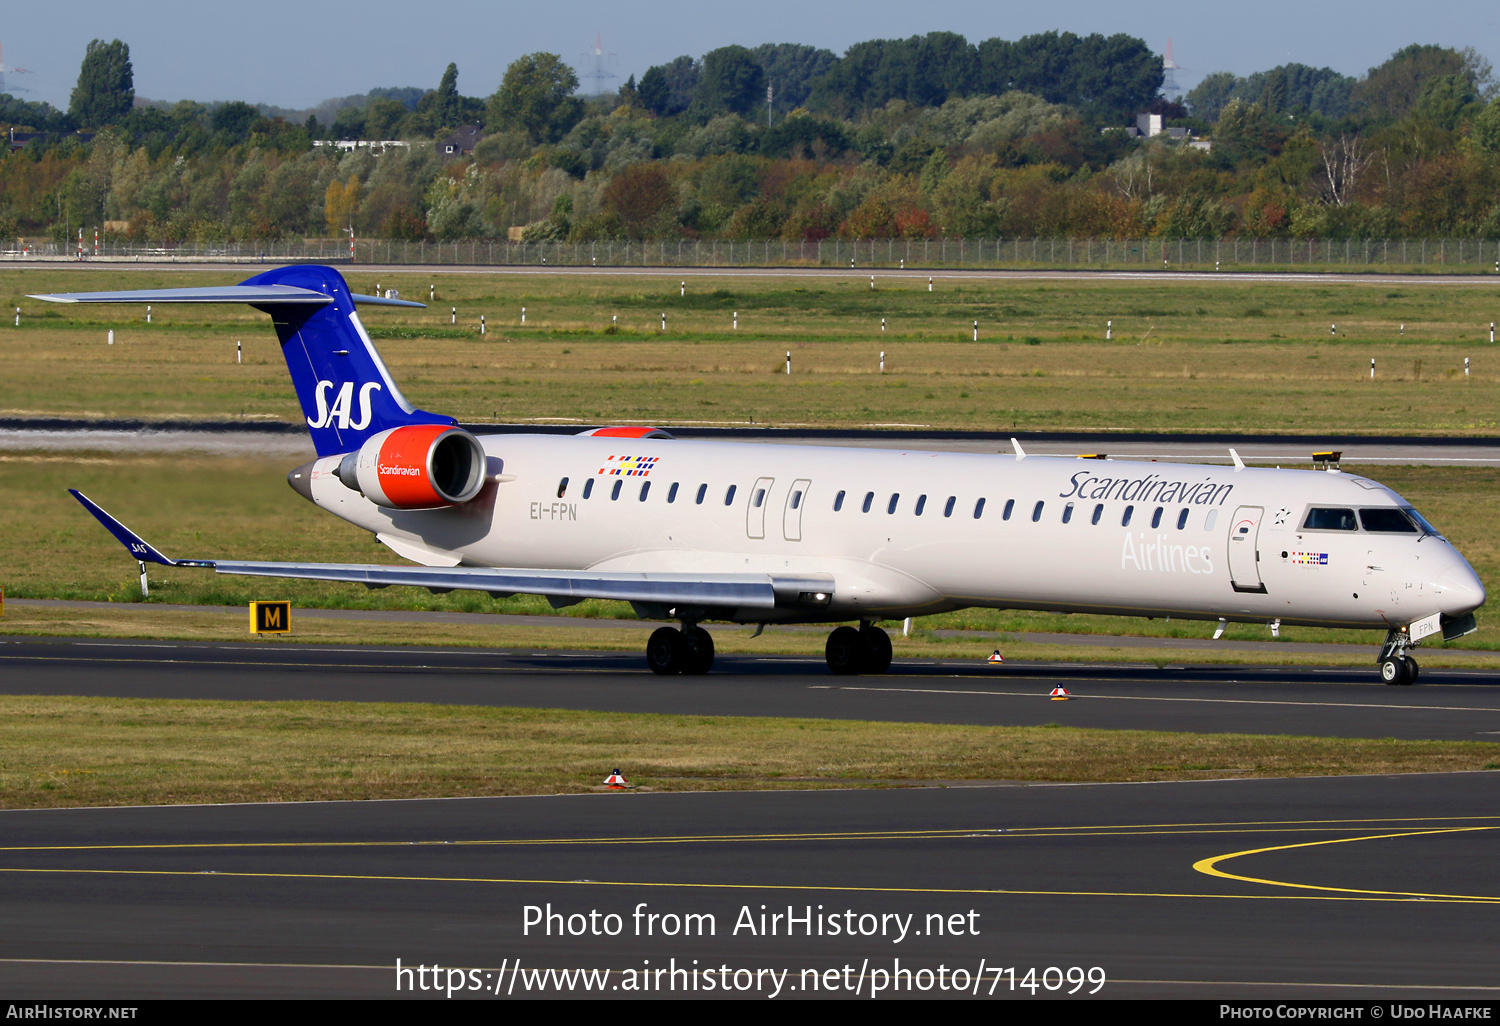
(1393, 671)
(845, 651)
(697, 650)
(877, 645)
(1412, 670)
(665, 651)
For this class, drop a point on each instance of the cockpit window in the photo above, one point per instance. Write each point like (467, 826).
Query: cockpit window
(1386, 521)
(1421, 521)
(1324, 519)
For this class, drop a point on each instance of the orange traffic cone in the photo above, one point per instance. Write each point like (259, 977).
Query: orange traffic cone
(615, 782)
(996, 657)
(1060, 694)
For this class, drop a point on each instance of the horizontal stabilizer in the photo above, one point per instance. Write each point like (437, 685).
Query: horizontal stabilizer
(256, 295)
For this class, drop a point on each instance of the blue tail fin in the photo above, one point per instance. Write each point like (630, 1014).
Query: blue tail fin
(346, 392)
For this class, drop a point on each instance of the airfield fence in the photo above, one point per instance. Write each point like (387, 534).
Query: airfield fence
(1452, 256)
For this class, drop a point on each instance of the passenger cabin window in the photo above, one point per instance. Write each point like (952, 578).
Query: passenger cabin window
(1036, 512)
(562, 488)
(729, 495)
(1386, 521)
(1068, 513)
(1098, 512)
(1213, 518)
(921, 504)
(614, 493)
(838, 501)
(672, 492)
(702, 491)
(645, 487)
(1182, 519)
(869, 498)
(948, 508)
(588, 488)
(1125, 517)
(890, 507)
(1156, 517)
(1325, 519)
(978, 509)
(1010, 507)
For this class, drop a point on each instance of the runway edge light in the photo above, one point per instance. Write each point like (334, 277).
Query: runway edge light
(270, 617)
(996, 657)
(615, 782)
(1060, 694)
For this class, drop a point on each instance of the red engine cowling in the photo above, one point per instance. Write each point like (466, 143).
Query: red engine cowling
(421, 466)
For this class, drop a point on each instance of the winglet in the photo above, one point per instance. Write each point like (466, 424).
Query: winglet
(1020, 452)
(138, 547)
(1239, 464)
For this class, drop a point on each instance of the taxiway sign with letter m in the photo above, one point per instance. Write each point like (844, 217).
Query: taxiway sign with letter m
(270, 617)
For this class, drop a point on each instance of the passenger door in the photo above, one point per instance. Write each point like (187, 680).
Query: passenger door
(1244, 552)
(755, 510)
(791, 516)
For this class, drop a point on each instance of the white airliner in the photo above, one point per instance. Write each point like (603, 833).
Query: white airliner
(752, 533)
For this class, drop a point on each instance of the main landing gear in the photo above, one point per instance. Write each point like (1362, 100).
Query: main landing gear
(690, 650)
(867, 650)
(1396, 667)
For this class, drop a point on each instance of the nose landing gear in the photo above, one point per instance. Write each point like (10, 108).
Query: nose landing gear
(850, 651)
(1396, 667)
(690, 650)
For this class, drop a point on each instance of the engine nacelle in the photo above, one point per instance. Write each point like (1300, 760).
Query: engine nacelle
(420, 466)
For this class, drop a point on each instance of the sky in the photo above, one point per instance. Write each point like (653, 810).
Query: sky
(295, 54)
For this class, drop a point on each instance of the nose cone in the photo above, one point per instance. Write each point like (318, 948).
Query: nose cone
(301, 482)
(1459, 589)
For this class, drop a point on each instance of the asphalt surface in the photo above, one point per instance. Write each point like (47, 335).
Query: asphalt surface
(1353, 887)
(290, 441)
(1328, 702)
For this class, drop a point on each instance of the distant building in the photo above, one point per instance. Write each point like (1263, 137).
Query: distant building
(18, 140)
(359, 144)
(1149, 126)
(462, 142)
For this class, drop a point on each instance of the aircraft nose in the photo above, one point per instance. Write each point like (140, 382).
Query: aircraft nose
(1459, 589)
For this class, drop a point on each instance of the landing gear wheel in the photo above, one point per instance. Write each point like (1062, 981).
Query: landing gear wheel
(665, 652)
(1411, 670)
(877, 649)
(697, 650)
(845, 651)
(1393, 670)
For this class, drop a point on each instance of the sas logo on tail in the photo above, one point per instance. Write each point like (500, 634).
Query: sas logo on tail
(356, 420)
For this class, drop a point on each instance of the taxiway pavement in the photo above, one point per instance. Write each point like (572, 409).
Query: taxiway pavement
(1449, 704)
(1351, 887)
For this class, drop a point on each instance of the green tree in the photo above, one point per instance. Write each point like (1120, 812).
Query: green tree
(536, 96)
(667, 89)
(1487, 127)
(733, 81)
(106, 85)
(1390, 91)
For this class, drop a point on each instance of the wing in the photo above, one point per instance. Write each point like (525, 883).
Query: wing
(734, 596)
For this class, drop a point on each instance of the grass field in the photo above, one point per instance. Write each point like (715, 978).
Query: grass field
(1227, 355)
(81, 752)
(200, 506)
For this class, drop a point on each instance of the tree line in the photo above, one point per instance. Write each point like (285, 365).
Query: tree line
(908, 138)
